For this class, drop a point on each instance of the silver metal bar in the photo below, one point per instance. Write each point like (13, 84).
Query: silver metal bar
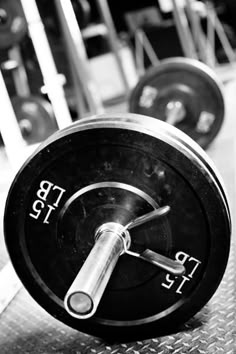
(113, 40)
(139, 55)
(184, 32)
(81, 106)
(111, 241)
(198, 35)
(150, 51)
(77, 52)
(78, 94)
(211, 57)
(205, 49)
(46, 62)
(85, 293)
(10, 131)
(19, 74)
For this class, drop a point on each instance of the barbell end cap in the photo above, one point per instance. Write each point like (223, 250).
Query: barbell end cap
(79, 305)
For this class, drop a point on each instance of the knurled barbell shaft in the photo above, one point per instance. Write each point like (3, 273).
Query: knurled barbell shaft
(85, 293)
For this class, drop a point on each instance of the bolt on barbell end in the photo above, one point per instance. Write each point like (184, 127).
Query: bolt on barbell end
(79, 305)
(175, 112)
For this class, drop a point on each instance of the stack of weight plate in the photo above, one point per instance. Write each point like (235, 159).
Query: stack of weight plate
(27, 328)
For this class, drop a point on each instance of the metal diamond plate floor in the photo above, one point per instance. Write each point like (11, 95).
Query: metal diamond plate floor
(27, 328)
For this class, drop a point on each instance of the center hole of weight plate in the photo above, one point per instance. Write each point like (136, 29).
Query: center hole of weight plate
(112, 203)
(80, 303)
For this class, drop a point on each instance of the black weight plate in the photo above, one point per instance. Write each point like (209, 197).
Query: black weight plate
(13, 26)
(170, 133)
(35, 117)
(88, 160)
(194, 85)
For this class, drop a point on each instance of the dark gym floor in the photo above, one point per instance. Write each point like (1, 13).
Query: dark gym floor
(26, 328)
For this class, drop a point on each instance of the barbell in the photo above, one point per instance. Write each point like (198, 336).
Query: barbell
(119, 226)
(185, 93)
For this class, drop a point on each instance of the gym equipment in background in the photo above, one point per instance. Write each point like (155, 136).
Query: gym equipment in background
(183, 92)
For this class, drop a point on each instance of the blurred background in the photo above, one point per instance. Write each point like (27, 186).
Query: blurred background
(65, 60)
